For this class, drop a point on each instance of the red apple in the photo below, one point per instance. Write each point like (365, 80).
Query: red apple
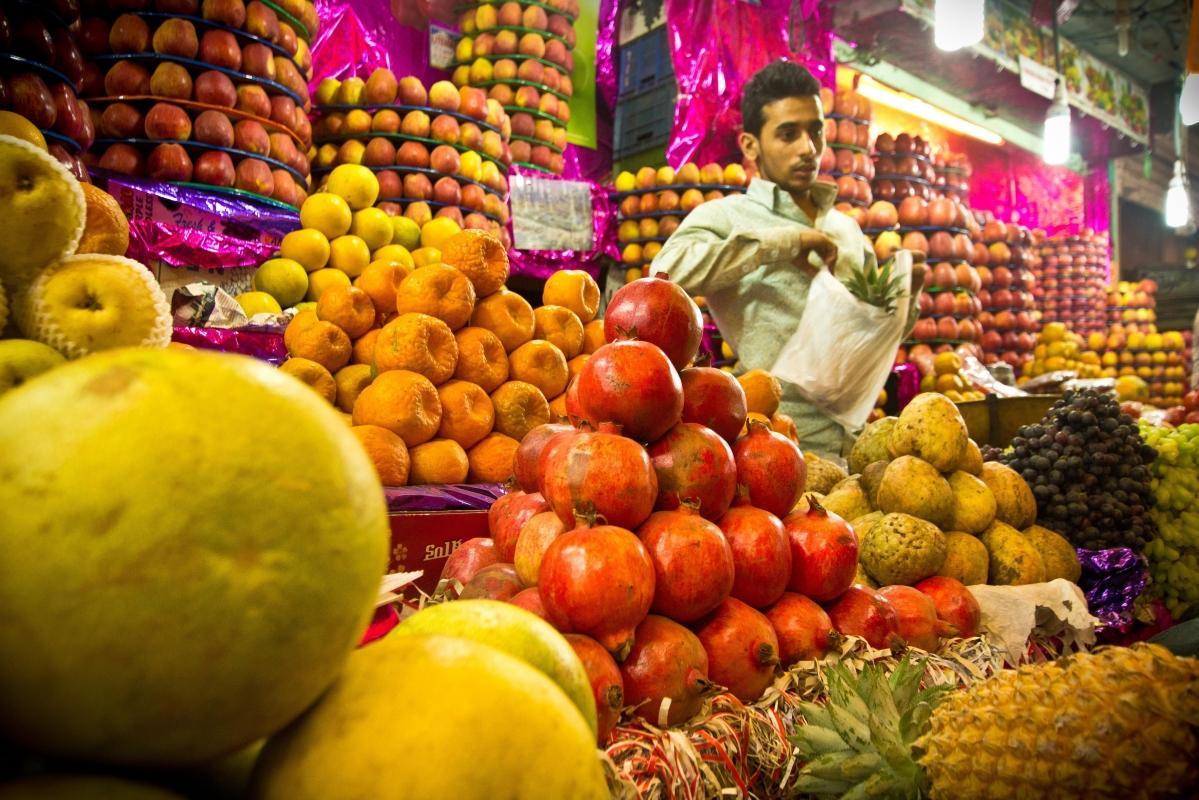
(253, 100)
(215, 168)
(171, 80)
(169, 162)
(215, 89)
(122, 158)
(168, 121)
(255, 176)
(213, 127)
(220, 49)
(251, 137)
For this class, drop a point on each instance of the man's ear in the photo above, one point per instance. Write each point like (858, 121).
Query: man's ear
(750, 147)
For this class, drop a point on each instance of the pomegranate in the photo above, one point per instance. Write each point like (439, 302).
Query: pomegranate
(604, 472)
(667, 662)
(508, 515)
(714, 398)
(954, 603)
(742, 649)
(804, 629)
(552, 444)
(657, 311)
(530, 600)
(694, 464)
(693, 564)
(527, 462)
(861, 611)
(771, 467)
(918, 623)
(535, 538)
(598, 581)
(470, 557)
(631, 383)
(824, 552)
(574, 411)
(606, 683)
(761, 554)
(497, 582)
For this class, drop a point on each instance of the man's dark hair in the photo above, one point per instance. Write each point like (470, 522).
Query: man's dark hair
(775, 81)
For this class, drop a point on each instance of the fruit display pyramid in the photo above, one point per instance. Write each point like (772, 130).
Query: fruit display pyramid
(1071, 278)
(653, 202)
(521, 54)
(1059, 348)
(1159, 359)
(1132, 305)
(42, 68)
(1010, 318)
(436, 152)
(846, 159)
(216, 98)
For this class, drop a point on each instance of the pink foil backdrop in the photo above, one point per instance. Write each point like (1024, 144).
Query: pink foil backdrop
(357, 36)
(716, 46)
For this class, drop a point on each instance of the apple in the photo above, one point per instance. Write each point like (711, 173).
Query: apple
(521, 150)
(531, 70)
(31, 98)
(87, 130)
(67, 57)
(556, 52)
(259, 60)
(169, 162)
(412, 154)
(417, 186)
(412, 91)
(444, 159)
(351, 152)
(527, 97)
(283, 148)
(391, 184)
(254, 100)
(122, 158)
(505, 70)
(289, 75)
(251, 136)
(171, 80)
(253, 175)
(445, 129)
(455, 213)
(385, 121)
(472, 101)
(67, 118)
(288, 40)
(226, 12)
(380, 88)
(532, 44)
(176, 37)
(502, 93)
(444, 95)
(213, 127)
(416, 123)
(262, 21)
(283, 111)
(379, 152)
(492, 144)
(185, 7)
(121, 121)
(93, 36)
(447, 191)
(129, 34)
(215, 89)
(168, 121)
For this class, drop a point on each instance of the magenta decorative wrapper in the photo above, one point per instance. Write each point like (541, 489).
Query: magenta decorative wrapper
(186, 227)
(448, 497)
(1112, 580)
(717, 46)
(262, 343)
(384, 620)
(357, 36)
(908, 377)
(540, 264)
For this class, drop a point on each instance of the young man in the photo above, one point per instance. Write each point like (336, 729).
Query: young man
(753, 256)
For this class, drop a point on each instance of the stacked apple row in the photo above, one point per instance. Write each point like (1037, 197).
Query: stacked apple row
(41, 71)
(520, 53)
(1012, 319)
(654, 202)
(439, 151)
(952, 174)
(1072, 279)
(846, 159)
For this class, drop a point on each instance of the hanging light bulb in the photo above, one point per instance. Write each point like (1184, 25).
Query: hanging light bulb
(1188, 101)
(1123, 28)
(958, 23)
(1055, 144)
(1178, 201)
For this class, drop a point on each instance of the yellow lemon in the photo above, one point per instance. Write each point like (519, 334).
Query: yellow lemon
(328, 213)
(350, 254)
(394, 252)
(308, 247)
(405, 232)
(258, 303)
(354, 183)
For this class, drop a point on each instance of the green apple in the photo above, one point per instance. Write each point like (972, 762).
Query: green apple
(22, 359)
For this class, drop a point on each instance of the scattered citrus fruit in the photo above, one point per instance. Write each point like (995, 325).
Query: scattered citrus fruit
(404, 402)
(420, 343)
(519, 408)
(491, 459)
(438, 290)
(313, 375)
(322, 342)
(347, 307)
(256, 302)
(481, 257)
(541, 364)
(440, 461)
(763, 392)
(373, 226)
(508, 315)
(481, 358)
(106, 230)
(436, 232)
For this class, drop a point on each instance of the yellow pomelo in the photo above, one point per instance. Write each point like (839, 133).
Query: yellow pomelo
(192, 545)
(77, 787)
(42, 210)
(434, 717)
(515, 631)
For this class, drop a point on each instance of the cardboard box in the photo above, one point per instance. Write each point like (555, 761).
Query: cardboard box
(424, 540)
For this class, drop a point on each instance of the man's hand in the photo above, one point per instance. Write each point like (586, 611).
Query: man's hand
(813, 241)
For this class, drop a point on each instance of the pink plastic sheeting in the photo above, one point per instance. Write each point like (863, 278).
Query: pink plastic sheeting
(717, 46)
(357, 36)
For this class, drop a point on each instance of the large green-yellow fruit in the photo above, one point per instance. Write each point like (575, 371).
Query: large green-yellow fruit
(518, 633)
(931, 428)
(428, 717)
(191, 546)
(81, 788)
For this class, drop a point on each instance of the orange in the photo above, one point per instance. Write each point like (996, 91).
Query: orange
(559, 326)
(364, 348)
(507, 315)
(419, 343)
(481, 358)
(301, 322)
(491, 459)
(437, 462)
(322, 342)
(348, 308)
(593, 336)
(575, 365)
(381, 280)
(781, 423)
(542, 364)
(948, 363)
(762, 391)
(481, 257)
(440, 291)
(351, 380)
(466, 412)
(519, 408)
(387, 452)
(106, 230)
(573, 289)
(558, 407)
(404, 402)
(312, 374)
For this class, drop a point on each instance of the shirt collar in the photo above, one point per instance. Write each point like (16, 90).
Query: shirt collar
(768, 193)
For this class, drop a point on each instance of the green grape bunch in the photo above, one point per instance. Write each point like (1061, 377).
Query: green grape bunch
(1173, 554)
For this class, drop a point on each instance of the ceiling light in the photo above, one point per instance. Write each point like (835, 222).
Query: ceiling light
(958, 23)
(1055, 142)
(1178, 201)
(875, 92)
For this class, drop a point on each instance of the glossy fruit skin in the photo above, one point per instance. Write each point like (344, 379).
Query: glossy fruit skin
(607, 685)
(497, 582)
(693, 563)
(507, 516)
(530, 600)
(761, 555)
(527, 461)
(470, 557)
(804, 629)
(632, 384)
(954, 603)
(742, 649)
(667, 661)
(713, 398)
(598, 581)
(657, 311)
(861, 611)
(772, 467)
(824, 553)
(604, 473)
(917, 617)
(694, 464)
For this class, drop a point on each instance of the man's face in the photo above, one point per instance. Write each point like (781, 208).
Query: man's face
(792, 140)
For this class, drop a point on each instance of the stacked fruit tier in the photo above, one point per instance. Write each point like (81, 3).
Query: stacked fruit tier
(41, 72)
(1132, 305)
(520, 53)
(846, 158)
(218, 101)
(440, 152)
(1159, 359)
(952, 174)
(652, 203)
(903, 168)
(1010, 319)
(1071, 281)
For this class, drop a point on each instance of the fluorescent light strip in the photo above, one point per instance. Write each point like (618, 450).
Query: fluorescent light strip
(875, 92)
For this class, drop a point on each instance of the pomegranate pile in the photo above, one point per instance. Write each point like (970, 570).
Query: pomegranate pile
(669, 536)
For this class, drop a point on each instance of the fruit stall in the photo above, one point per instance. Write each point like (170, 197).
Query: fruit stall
(352, 445)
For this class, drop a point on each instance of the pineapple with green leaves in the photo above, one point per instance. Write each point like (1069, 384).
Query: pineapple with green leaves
(1116, 723)
(877, 284)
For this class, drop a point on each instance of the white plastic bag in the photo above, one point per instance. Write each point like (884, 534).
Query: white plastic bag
(843, 350)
